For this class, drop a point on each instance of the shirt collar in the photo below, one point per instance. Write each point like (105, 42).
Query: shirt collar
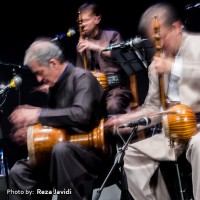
(64, 72)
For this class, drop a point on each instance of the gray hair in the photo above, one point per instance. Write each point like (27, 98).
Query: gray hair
(164, 11)
(42, 51)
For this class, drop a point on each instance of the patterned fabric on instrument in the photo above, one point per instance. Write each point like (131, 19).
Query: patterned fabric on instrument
(115, 80)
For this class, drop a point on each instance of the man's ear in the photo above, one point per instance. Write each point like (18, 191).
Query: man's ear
(178, 26)
(52, 63)
(97, 19)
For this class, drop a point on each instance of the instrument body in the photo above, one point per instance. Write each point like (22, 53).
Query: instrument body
(101, 77)
(180, 123)
(41, 139)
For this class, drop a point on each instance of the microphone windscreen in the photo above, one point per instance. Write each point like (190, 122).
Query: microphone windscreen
(16, 81)
(71, 32)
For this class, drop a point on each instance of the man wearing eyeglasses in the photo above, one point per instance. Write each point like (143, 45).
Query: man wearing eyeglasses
(91, 43)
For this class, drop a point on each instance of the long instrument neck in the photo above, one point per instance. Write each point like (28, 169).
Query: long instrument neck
(158, 53)
(85, 61)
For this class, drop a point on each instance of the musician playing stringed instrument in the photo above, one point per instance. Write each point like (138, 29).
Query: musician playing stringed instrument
(76, 106)
(93, 39)
(179, 61)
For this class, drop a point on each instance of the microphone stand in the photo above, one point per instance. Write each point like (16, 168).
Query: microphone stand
(140, 57)
(3, 158)
(119, 158)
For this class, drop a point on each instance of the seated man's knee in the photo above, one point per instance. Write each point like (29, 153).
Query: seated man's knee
(114, 107)
(15, 171)
(62, 148)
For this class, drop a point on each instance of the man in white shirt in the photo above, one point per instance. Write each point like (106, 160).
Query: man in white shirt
(179, 63)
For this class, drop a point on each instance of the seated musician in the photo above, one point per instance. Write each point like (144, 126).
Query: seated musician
(76, 104)
(91, 42)
(180, 61)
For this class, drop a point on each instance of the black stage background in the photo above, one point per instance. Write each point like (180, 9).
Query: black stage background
(21, 23)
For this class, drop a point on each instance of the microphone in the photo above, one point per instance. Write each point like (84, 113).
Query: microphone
(71, 32)
(142, 122)
(192, 6)
(15, 82)
(128, 44)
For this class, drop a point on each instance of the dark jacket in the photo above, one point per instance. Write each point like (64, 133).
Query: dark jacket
(76, 102)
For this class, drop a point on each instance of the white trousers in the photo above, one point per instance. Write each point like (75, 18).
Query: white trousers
(142, 160)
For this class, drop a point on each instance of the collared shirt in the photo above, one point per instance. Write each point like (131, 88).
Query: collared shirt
(173, 90)
(63, 73)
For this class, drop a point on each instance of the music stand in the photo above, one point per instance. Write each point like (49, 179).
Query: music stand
(134, 62)
(135, 59)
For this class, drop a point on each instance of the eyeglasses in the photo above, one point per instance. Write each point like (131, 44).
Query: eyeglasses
(86, 21)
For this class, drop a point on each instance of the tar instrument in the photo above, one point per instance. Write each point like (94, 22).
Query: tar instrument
(101, 77)
(41, 139)
(85, 61)
(179, 121)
